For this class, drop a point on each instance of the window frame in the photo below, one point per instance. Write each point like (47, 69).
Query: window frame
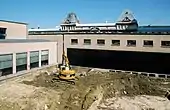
(73, 43)
(87, 43)
(99, 43)
(115, 42)
(132, 45)
(145, 45)
(165, 46)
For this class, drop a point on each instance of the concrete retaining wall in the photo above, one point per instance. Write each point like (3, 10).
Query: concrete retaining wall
(130, 72)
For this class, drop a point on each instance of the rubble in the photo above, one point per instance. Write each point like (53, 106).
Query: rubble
(92, 90)
(167, 95)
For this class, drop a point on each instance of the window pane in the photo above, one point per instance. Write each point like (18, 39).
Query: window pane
(34, 56)
(100, 41)
(44, 57)
(148, 43)
(34, 53)
(21, 61)
(6, 64)
(21, 55)
(74, 41)
(34, 59)
(5, 57)
(87, 41)
(131, 42)
(44, 52)
(165, 43)
(116, 42)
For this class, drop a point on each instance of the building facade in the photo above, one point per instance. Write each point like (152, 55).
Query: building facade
(13, 30)
(17, 53)
(125, 35)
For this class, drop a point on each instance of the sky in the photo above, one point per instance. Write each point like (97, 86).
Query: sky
(50, 13)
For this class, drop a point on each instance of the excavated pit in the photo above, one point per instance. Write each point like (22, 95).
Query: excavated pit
(89, 92)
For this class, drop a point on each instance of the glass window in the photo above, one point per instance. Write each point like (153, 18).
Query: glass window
(131, 43)
(148, 43)
(44, 57)
(74, 41)
(2, 30)
(2, 36)
(34, 56)
(100, 41)
(115, 42)
(165, 43)
(34, 59)
(6, 61)
(21, 61)
(6, 64)
(87, 41)
(21, 58)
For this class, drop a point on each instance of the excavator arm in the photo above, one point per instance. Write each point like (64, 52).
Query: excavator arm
(65, 60)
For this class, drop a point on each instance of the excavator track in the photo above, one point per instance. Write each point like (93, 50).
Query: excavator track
(65, 81)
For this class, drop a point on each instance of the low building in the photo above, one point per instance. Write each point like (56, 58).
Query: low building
(17, 53)
(13, 30)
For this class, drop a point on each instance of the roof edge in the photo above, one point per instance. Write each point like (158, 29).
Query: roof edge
(14, 22)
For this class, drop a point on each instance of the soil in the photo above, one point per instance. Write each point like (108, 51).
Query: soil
(93, 90)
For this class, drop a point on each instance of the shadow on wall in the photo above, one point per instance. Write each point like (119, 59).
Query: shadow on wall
(121, 60)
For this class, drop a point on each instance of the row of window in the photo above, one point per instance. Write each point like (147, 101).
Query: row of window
(147, 43)
(6, 61)
(86, 32)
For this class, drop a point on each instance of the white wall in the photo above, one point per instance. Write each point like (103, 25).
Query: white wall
(13, 48)
(15, 30)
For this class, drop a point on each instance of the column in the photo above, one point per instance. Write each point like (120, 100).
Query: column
(14, 63)
(28, 60)
(56, 52)
(39, 58)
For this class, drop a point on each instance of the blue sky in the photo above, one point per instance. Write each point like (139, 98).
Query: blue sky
(49, 13)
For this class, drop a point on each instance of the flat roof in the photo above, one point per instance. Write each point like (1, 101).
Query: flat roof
(48, 29)
(23, 40)
(96, 24)
(13, 22)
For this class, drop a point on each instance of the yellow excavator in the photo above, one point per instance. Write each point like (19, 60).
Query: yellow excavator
(66, 73)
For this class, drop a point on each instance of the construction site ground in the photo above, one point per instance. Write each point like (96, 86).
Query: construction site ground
(93, 90)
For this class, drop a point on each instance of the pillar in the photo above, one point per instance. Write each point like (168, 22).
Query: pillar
(56, 53)
(39, 58)
(14, 63)
(28, 60)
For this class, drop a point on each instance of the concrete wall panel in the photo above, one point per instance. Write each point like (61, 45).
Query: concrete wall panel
(6, 48)
(14, 30)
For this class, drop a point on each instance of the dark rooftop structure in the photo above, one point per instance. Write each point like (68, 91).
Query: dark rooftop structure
(154, 28)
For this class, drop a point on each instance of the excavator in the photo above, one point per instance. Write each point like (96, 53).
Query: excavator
(66, 73)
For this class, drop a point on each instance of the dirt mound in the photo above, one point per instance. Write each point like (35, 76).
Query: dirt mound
(81, 95)
(142, 102)
(132, 85)
(38, 91)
